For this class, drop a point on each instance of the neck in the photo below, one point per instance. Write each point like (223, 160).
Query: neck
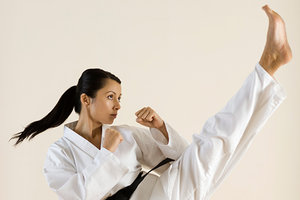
(87, 128)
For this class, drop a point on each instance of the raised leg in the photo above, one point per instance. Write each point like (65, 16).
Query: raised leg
(226, 135)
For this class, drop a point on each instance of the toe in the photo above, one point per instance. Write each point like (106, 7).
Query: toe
(267, 9)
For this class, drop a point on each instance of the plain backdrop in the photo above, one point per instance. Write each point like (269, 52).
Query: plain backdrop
(185, 59)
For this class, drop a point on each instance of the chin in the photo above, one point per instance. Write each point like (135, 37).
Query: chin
(110, 122)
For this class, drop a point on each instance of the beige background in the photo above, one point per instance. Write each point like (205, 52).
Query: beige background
(185, 59)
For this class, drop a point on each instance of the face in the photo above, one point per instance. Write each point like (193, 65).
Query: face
(104, 107)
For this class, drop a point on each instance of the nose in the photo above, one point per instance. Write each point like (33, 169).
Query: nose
(117, 105)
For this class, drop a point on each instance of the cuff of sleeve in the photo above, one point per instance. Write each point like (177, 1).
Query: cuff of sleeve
(159, 137)
(176, 144)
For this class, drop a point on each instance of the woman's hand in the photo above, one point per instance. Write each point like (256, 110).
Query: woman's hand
(148, 117)
(112, 139)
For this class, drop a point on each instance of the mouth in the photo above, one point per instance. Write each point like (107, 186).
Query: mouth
(114, 115)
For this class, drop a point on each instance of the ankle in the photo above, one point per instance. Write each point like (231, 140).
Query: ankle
(269, 63)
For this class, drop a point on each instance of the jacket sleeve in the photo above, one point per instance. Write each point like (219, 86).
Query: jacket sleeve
(227, 135)
(94, 182)
(155, 147)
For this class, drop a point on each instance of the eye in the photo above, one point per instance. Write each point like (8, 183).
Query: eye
(111, 97)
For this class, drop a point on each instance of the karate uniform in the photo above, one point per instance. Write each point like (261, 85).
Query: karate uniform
(75, 169)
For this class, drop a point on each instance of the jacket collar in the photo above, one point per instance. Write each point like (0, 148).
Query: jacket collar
(80, 141)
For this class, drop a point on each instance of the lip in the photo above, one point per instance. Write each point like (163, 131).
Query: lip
(114, 115)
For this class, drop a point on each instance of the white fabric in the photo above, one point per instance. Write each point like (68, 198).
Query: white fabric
(76, 169)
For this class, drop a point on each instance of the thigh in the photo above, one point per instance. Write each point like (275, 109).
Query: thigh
(184, 179)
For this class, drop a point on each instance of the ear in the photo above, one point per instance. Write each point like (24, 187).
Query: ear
(85, 99)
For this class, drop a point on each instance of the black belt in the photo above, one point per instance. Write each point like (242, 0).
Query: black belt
(125, 193)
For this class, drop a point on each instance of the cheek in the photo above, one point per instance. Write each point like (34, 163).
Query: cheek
(104, 105)
(95, 110)
(100, 108)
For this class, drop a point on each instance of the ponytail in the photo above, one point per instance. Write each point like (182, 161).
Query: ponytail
(90, 82)
(56, 117)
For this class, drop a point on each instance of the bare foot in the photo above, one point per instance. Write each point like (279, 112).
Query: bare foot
(277, 50)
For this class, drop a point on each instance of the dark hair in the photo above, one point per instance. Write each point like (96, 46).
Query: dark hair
(90, 82)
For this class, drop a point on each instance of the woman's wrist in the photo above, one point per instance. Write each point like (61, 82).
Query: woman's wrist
(163, 129)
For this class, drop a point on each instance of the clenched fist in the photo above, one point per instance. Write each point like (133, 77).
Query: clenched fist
(112, 139)
(148, 117)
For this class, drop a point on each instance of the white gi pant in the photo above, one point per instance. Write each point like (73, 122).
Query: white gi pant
(223, 140)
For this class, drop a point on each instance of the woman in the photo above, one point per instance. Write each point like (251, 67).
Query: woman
(94, 160)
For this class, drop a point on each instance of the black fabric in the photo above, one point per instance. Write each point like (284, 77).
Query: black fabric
(126, 193)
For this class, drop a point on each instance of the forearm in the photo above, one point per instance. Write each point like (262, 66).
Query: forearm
(170, 143)
(164, 131)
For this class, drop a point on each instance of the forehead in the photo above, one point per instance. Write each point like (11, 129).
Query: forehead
(110, 86)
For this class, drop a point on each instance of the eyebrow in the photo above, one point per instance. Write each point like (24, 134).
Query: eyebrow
(113, 92)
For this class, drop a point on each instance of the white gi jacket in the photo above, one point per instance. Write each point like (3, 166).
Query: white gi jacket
(75, 169)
